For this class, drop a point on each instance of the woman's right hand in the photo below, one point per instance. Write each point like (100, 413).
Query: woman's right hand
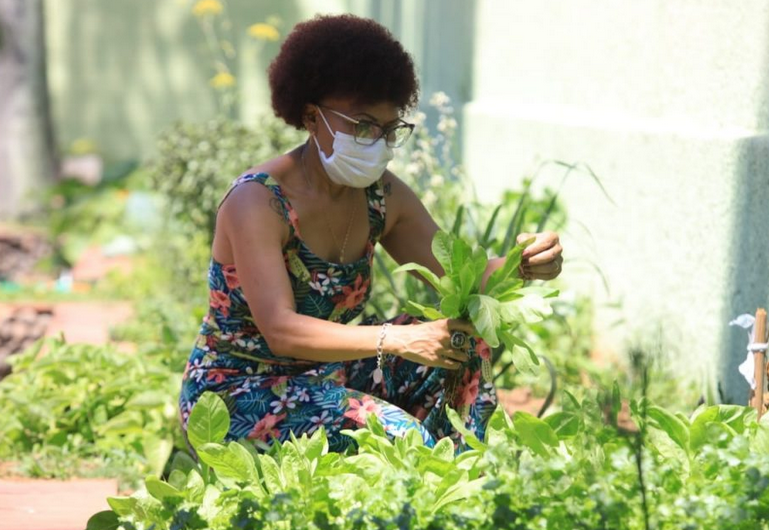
(429, 343)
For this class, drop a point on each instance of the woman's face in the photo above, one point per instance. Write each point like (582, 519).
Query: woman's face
(382, 114)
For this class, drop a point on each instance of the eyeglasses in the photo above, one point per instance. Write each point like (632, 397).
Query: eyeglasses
(367, 132)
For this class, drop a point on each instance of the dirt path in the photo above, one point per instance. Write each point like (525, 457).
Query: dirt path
(27, 504)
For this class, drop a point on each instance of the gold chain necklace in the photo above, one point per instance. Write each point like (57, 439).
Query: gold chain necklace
(325, 215)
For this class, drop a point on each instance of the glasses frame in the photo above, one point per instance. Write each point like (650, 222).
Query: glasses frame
(385, 130)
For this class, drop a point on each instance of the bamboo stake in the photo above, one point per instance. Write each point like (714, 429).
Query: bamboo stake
(759, 336)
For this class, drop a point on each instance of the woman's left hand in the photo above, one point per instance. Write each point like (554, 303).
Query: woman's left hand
(542, 259)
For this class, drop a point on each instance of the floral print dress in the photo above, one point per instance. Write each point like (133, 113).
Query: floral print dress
(270, 395)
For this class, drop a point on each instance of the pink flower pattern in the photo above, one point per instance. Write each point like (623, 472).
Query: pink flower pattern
(221, 301)
(231, 277)
(360, 409)
(265, 428)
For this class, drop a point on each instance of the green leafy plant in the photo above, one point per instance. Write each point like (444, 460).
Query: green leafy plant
(196, 163)
(572, 469)
(88, 411)
(194, 167)
(504, 304)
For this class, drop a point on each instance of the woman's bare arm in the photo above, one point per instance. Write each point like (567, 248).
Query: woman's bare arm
(255, 233)
(409, 234)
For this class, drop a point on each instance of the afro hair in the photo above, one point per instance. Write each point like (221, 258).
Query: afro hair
(340, 56)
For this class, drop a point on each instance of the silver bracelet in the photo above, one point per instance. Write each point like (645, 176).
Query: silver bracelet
(380, 353)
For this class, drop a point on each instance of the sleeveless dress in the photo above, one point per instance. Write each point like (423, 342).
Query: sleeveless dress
(268, 395)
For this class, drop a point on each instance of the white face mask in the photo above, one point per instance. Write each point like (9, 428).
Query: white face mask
(352, 164)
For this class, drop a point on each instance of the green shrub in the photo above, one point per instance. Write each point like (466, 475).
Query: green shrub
(571, 470)
(196, 163)
(89, 410)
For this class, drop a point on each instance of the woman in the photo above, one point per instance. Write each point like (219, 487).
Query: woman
(292, 258)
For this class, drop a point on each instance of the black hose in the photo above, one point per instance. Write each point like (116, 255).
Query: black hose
(553, 383)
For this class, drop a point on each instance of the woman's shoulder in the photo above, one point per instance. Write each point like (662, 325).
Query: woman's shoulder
(240, 199)
(396, 191)
(274, 167)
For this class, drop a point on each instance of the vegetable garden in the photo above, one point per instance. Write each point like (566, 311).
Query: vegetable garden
(619, 447)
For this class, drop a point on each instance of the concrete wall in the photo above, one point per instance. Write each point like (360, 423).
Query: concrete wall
(668, 102)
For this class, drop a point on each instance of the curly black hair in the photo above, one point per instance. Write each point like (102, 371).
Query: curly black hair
(340, 56)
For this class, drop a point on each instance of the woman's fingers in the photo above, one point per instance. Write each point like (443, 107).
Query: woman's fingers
(545, 256)
(455, 324)
(456, 355)
(450, 365)
(542, 242)
(548, 271)
(543, 259)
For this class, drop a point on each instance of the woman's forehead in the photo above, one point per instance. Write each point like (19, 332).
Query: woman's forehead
(383, 112)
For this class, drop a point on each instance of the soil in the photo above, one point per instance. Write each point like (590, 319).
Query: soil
(23, 323)
(519, 399)
(20, 252)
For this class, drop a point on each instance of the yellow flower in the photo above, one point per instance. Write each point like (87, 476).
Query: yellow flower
(83, 146)
(222, 80)
(204, 8)
(263, 31)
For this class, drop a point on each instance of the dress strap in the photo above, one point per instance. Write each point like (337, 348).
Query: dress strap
(270, 183)
(376, 208)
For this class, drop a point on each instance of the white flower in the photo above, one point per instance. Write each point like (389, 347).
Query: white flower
(321, 284)
(302, 395)
(325, 282)
(446, 124)
(436, 180)
(245, 388)
(197, 370)
(412, 168)
(418, 118)
(317, 421)
(439, 99)
(284, 402)
(487, 397)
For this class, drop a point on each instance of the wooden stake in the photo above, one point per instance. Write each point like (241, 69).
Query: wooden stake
(759, 336)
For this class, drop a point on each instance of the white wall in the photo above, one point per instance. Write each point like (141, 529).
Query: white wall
(668, 102)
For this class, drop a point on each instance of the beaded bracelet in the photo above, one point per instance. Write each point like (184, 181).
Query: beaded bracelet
(380, 353)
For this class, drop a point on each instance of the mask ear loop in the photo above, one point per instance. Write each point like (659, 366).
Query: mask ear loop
(321, 154)
(333, 134)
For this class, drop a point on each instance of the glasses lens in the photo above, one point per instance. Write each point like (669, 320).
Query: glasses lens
(397, 136)
(366, 133)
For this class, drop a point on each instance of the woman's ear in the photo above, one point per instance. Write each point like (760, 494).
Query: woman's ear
(310, 118)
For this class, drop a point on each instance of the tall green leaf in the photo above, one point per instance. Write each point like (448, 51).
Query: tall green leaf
(229, 461)
(673, 426)
(209, 421)
(484, 313)
(106, 520)
(443, 248)
(535, 433)
(426, 273)
(459, 426)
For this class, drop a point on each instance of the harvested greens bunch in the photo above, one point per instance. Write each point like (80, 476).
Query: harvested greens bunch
(505, 303)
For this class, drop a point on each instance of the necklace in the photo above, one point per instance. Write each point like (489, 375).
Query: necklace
(325, 215)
